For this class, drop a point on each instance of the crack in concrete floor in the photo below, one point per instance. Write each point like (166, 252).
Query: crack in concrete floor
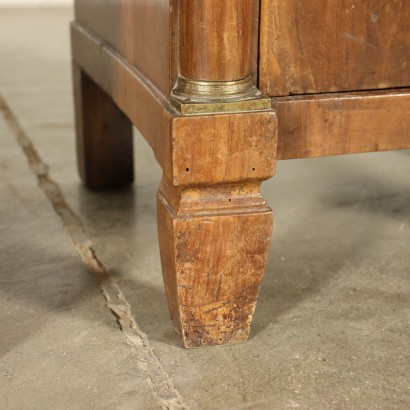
(161, 384)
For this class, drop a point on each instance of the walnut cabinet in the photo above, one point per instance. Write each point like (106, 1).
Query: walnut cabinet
(221, 90)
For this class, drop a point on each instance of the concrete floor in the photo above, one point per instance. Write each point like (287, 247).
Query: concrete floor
(331, 330)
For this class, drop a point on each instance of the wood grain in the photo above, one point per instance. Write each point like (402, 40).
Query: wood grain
(104, 136)
(213, 259)
(139, 30)
(215, 39)
(333, 45)
(224, 148)
(148, 110)
(214, 226)
(215, 149)
(345, 123)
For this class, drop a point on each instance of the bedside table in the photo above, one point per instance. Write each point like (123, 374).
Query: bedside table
(221, 90)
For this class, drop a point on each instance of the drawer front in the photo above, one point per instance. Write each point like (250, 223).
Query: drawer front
(316, 46)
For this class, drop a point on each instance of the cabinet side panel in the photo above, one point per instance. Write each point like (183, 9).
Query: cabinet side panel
(140, 30)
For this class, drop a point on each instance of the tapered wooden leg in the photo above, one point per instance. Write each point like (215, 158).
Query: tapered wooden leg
(104, 136)
(214, 244)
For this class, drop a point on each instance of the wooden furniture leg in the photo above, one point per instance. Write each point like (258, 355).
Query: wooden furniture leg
(104, 136)
(214, 243)
(214, 225)
(214, 135)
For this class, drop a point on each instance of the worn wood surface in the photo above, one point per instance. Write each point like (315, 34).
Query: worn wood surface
(213, 166)
(210, 39)
(333, 45)
(214, 226)
(214, 244)
(215, 39)
(140, 30)
(224, 148)
(345, 123)
(148, 110)
(239, 146)
(104, 136)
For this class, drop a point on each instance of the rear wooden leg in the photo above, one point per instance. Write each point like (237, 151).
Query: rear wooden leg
(214, 243)
(104, 136)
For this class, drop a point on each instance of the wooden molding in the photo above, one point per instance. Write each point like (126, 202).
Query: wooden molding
(342, 123)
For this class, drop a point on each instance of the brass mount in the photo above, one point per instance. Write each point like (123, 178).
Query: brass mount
(192, 97)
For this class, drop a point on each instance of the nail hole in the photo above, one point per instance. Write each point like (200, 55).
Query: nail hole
(253, 169)
(230, 200)
(187, 169)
